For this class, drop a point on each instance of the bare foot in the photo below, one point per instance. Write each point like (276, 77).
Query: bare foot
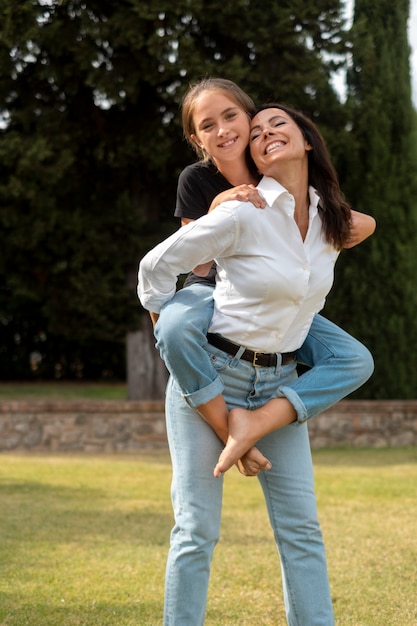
(248, 427)
(242, 437)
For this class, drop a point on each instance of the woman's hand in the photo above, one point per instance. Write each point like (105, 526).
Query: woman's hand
(362, 227)
(253, 462)
(244, 193)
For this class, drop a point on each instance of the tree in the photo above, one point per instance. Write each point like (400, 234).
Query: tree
(91, 147)
(375, 296)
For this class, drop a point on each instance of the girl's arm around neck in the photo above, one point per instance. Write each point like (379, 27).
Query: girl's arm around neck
(362, 227)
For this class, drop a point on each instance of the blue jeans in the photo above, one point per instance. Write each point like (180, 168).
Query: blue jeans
(340, 364)
(197, 500)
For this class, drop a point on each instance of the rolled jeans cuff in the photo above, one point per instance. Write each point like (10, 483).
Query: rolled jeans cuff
(293, 397)
(201, 396)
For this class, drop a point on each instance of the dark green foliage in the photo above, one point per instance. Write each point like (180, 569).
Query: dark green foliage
(91, 148)
(375, 296)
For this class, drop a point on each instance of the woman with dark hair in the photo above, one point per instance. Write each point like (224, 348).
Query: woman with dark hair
(274, 269)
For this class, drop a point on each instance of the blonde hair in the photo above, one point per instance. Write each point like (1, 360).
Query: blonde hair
(189, 102)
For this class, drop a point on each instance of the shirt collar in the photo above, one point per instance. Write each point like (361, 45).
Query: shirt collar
(271, 189)
(314, 200)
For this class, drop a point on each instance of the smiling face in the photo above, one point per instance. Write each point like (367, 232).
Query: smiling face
(276, 140)
(221, 126)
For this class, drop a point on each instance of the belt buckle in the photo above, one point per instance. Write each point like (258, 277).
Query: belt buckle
(255, 358)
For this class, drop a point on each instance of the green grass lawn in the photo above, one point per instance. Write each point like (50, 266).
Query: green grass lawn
(62, 391)
(84, 541)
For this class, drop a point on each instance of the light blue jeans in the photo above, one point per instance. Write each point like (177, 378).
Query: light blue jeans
(197, 499)
(339, 363)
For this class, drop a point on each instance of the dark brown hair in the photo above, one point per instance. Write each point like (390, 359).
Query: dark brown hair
(335, 211)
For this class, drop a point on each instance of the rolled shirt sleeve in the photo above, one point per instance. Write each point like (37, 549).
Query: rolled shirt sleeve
(213, 235)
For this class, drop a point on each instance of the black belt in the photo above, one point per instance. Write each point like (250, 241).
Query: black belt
(263, 359)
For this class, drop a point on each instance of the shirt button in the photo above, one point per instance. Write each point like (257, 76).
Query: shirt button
(305, 266)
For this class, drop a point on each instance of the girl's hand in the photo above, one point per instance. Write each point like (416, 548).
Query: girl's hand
(244, 193)
(362, 227)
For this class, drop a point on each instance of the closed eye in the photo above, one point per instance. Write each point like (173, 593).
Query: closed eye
(273, 123)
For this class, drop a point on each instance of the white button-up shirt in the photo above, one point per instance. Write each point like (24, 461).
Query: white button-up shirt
(270, 282)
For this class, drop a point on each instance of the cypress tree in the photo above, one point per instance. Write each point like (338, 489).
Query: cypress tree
(375, 295)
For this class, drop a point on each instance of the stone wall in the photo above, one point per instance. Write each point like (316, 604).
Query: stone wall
(367, 423)
(126, 427)
(89, 426)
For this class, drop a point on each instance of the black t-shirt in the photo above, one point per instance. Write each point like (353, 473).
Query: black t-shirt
(198, 185)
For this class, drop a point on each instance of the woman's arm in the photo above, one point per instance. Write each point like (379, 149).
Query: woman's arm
(204, 268)
(244, 193)
(208, 237)
(362, 227)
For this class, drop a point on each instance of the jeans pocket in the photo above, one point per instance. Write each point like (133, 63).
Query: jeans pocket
(219, 359)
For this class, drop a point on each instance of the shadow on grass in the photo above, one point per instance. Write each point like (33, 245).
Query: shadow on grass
(39, 490)
(37, 512)
(97, 614)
